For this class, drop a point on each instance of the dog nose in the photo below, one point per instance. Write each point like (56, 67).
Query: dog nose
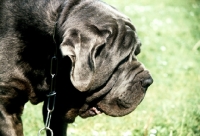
(147, 82)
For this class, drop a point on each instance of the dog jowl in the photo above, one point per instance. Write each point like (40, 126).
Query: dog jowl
(98, 71)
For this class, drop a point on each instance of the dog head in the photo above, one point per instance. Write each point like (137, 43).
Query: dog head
(102, 44)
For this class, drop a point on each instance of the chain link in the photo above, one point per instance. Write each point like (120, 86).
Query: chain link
(51, 96)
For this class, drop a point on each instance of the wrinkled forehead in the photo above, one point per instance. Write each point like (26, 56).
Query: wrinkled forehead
(95, 12)
(108, 11)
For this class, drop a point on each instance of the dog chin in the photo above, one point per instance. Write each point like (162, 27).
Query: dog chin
(115, 105)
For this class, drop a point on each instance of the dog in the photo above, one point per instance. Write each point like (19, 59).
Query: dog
(97, 69)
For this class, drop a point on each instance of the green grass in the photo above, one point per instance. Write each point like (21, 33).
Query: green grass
(170, 33)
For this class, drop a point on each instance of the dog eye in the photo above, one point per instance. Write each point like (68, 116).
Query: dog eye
(99, 49)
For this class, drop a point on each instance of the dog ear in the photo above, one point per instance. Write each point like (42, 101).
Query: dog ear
(75, 45)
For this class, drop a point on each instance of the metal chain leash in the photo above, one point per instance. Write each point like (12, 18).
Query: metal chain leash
(51, 96)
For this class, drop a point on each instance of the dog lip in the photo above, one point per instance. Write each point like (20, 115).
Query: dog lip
(136, 96)
(91, 111)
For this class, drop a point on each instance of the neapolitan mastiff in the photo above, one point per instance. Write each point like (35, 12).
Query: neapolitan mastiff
(97, 67)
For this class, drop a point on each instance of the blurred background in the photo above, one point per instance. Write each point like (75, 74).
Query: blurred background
(170, 34)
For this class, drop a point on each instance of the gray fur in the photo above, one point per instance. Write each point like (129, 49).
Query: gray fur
(98, 70)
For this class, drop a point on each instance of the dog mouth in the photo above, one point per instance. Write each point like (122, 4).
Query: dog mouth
(122, 93)
(102, 106)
